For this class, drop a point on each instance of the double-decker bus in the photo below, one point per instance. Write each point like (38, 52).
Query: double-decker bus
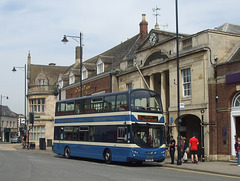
(125, 126)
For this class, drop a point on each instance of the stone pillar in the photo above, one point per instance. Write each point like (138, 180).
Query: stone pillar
(151, 82)
(163, 91)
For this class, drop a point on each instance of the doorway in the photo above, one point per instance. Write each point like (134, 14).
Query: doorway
(190, 126)
(237, 127)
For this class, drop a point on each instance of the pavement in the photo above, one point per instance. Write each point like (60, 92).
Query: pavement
(229, 168)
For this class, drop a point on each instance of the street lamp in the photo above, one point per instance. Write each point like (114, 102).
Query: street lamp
(1, 115)
(25, 90)
(57, 91)
(179, 162)
(79, 40)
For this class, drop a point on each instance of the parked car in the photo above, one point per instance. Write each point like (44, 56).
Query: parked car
(16, 139)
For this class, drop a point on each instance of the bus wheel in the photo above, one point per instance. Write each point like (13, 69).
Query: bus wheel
(108, 156)
(67, 152)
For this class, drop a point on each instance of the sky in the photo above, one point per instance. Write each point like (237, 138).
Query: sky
(38, 27)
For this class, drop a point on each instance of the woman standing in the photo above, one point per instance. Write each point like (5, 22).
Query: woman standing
(238, 151)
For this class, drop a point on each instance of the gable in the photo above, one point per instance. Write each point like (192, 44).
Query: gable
(41, 79)
(154, 38)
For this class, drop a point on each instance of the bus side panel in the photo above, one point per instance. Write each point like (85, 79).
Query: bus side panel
(121, 154)
(89, 151)
(92, 151)
(58, 148)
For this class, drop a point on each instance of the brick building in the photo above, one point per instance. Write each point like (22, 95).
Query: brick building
(225, 105)
(98, 73)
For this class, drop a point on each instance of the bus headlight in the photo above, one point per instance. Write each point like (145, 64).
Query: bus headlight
(134, 151)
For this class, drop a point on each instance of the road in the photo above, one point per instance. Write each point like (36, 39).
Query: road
(34, 166)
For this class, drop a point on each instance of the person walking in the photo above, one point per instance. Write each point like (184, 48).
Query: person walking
(193, 144)
(172, 148)
(184, 150)
(238, 151)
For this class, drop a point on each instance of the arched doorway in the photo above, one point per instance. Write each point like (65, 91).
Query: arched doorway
(235, 121)
(190, 125)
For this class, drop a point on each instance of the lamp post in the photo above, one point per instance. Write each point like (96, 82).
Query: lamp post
(25, 91)
(65, 40)
(1, 115)
(179, 162)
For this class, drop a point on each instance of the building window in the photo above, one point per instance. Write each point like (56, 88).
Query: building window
(84, 73)
(37, 105)
(186, 75)
(187, 44)
(130, 63)
(129, 86)
(37, 132)
(41, 81)
(60, 82)
(100, 67)
(71, 78)
(236, 101)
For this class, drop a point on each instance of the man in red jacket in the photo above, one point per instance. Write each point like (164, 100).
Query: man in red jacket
(193, 144)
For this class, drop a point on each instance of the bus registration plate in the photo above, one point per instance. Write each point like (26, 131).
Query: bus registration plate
(149, 160)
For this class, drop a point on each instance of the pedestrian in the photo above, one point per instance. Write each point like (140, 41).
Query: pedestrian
(238, 151)
(235, 145)
(182, 146)
(184, 149)
(24, 140)
(172, 148)
(193, 144)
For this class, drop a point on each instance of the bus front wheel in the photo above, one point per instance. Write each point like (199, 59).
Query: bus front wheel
(108, 156)
(67, 152)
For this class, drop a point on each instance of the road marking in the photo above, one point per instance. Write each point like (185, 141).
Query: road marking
(202, 172)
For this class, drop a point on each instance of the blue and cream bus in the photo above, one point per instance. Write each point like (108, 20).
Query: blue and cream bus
(125, 126)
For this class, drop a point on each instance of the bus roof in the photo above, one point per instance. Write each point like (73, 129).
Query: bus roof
(105, 94)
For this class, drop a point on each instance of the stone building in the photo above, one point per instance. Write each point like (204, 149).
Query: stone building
(41, 100)
(8, 124)
(201, 54)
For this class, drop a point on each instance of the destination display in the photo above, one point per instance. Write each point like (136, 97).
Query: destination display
(147, 118)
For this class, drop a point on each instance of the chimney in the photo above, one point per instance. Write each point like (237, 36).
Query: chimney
(77, 55)
(52, 64)
(143, 27)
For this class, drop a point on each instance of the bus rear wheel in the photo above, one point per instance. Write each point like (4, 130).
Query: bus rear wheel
(108, 156)
(67, 152)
